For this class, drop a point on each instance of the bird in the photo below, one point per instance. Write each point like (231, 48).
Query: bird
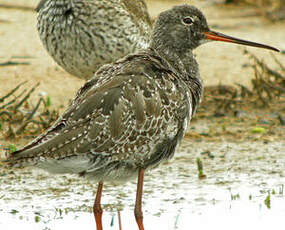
(133, 113)
(82, 35)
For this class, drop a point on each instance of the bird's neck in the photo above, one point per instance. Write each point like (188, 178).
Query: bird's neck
(182, 63)
(186, 69)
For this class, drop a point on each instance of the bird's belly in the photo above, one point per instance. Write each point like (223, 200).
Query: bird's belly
(106, 167)
(121, 173)
(98, 169)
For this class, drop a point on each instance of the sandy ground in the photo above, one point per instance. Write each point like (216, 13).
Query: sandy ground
(245, 169)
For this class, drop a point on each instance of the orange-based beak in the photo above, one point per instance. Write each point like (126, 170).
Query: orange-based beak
(212, 35)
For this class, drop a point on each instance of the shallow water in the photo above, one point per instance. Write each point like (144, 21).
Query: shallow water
(239, 178)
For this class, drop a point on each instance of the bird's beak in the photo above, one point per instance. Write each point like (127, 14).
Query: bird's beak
(216, 36)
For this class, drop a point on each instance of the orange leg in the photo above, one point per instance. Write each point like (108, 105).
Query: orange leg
(138, 206)
(97, 210)
(119, 218)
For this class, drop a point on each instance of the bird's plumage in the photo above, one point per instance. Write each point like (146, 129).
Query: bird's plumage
(131, 115)
(82, 35)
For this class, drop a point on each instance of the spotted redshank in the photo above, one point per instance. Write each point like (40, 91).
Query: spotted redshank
(82, 35)
(132, 114)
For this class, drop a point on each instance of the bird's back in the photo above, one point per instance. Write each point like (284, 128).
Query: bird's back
(130, 115)
(83, 35)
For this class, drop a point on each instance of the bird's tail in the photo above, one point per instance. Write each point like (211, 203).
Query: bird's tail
(13, 158)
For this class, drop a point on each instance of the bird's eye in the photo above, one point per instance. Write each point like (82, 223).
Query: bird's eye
(188, 21)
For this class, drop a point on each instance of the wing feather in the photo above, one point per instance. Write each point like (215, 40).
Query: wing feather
(124, 113)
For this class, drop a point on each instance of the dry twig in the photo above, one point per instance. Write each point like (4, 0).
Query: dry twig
(20, 117)
(268, 87)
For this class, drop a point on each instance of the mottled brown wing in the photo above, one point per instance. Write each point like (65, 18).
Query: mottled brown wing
(124, 115)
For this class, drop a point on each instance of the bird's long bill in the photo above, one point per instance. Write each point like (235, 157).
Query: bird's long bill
(216, 36)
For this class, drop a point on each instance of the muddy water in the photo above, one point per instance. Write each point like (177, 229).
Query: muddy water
(240, 177)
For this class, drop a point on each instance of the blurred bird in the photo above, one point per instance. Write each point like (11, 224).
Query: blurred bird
(133, 113)
(82, 35)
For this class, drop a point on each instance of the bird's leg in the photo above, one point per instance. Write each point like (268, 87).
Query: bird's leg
(119, 218)
(138, 206)
(97, 210)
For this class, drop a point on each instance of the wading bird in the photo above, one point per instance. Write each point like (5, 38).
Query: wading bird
(132, 114)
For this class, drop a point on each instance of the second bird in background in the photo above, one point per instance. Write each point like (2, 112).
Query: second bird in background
(83, 35)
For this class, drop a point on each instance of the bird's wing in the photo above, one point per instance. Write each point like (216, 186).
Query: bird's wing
(40, 5)
(123, 114)
(138, 9)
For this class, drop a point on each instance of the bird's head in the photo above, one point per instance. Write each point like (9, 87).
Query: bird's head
(184, 27)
